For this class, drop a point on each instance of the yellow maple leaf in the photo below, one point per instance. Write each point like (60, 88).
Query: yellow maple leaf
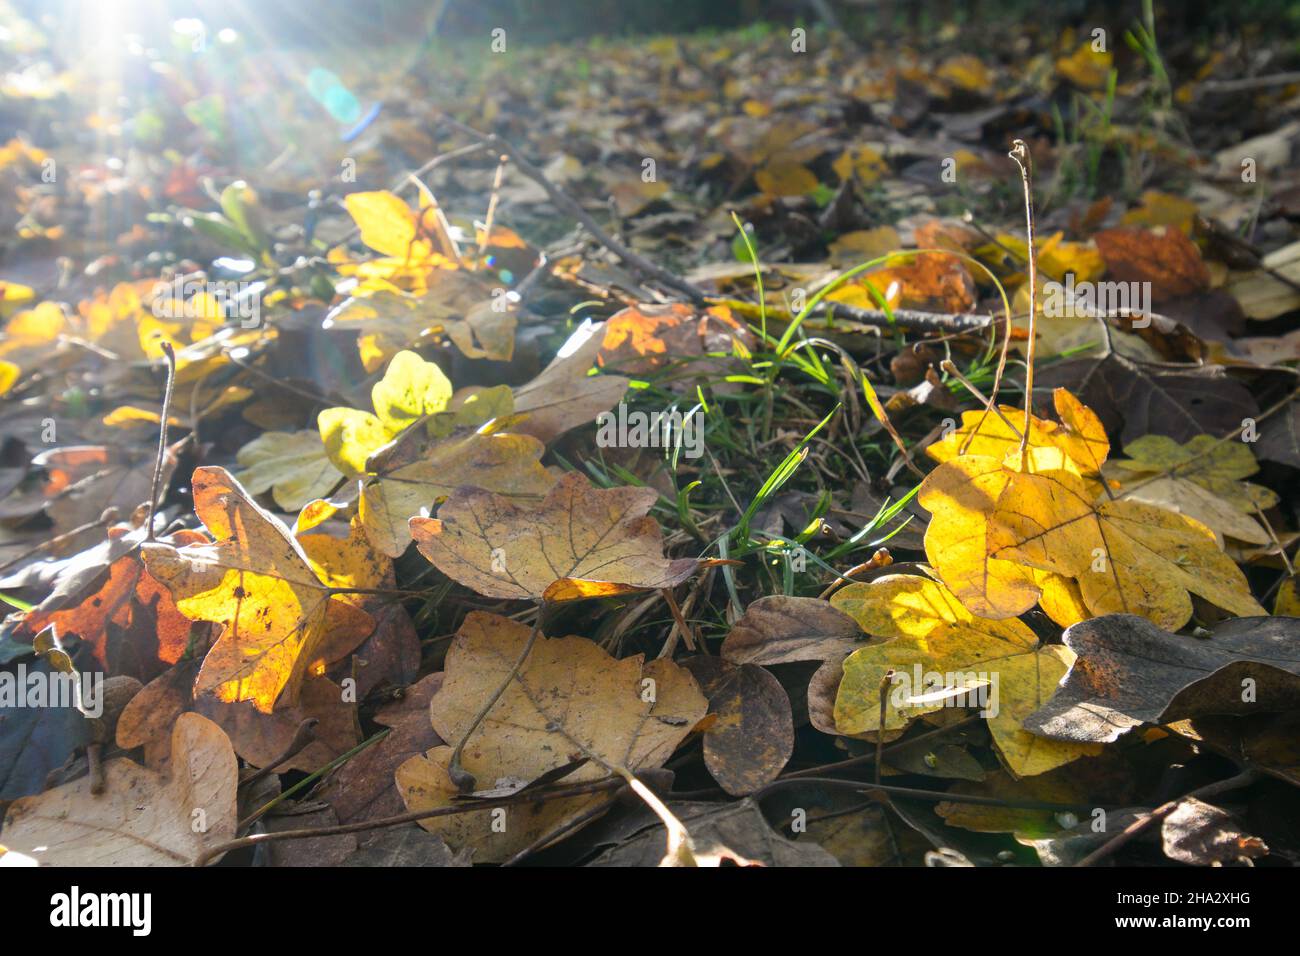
(1001, 521)
(280, 620)
(931, 635)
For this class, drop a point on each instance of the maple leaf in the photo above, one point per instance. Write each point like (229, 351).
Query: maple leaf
(997, 528)
(410, 390)
(508, 465)
(564, 395)
(122, 612)
(973, 476)
(280, 620)
(929, 631)
(569, 700)
(293, 466)
(1202, 478)
(142, 818)
(1126, 556)
(458, 304)
(579, 542)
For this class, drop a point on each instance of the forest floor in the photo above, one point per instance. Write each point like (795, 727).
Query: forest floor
(504, 454)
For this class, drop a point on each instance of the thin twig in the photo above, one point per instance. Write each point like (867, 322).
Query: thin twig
(1142, 824)
(469, 806)
(155, 486)
(1020, 153)
(492, 206)
(885, 681)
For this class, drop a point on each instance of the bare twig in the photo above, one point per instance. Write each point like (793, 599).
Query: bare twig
(468, 806)
(885, 681)
(1020, 153)
(950, 323)
(492, 206)
(155, 486)
(1142, 824)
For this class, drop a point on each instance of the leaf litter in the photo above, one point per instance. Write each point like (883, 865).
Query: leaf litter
(573, 481)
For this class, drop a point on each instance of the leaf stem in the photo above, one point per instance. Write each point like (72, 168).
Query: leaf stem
(1020, 153)
(154, 487)
(462, 778)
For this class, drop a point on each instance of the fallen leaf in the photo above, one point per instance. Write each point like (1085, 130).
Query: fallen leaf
(784, 179)
(1163, 256)
(1202, 478)
(142, 818)
(569, 700)
(405, 846)
(778, 629)
(580, 542)
(1130, 672)
(293, 466)
(565, 395)
(932, 637)
(260, 738)
(995, 525)
(1204, 835)
(280, 621)
(727, 831)
(1086, 68)
(752, 738)
(506, 465)
(1133, 399)
(929, 281)
(34, 740)
(363, 788)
